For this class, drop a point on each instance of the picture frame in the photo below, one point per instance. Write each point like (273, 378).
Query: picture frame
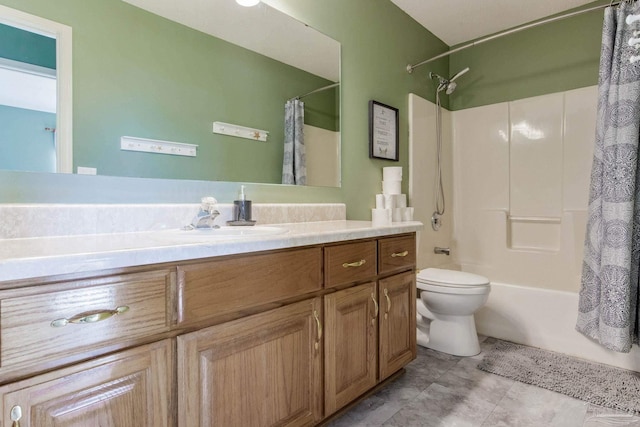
(383, 131)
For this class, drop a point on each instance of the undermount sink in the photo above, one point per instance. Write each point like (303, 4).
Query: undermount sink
(225, 232)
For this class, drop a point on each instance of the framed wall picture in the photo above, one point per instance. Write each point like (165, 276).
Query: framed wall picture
(383, 131)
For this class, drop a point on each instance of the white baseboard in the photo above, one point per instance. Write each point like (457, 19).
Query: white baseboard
(545, 319)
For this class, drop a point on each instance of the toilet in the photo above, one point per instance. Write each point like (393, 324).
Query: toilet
(445, 306)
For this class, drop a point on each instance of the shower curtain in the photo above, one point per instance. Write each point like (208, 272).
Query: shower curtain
(294, 167)
(608, 310)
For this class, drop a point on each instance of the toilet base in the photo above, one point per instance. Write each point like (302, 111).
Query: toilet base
(454, 335)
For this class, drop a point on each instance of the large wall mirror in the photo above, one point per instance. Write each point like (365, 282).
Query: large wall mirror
(161, 70)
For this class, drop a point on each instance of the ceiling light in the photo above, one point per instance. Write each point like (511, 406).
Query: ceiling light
(247, 3)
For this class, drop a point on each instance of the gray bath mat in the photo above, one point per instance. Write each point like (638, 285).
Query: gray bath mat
(589, 381)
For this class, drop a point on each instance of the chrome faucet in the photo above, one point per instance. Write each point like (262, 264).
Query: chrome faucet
(206, 215)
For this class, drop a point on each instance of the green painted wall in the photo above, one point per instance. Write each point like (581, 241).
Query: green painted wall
(25, 145)
(24, 46)
(378, 41)
(322, 109)
(553, 57)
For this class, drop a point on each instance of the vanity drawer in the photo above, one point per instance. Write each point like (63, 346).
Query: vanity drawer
(396, 253)
(230, 285)
(349, 263)
(34, 331)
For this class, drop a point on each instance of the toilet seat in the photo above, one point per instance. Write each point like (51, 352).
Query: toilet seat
(453, 290)
(451, 281)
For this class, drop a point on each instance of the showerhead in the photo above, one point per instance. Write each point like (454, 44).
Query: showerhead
(447, 85)
(451, 87)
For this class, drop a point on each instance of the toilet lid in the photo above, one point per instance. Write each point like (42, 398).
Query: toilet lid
(451, 278)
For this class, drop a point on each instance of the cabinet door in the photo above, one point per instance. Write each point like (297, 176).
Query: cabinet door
(351, 344)
(262, 370)
(397, 322)
(131, 388)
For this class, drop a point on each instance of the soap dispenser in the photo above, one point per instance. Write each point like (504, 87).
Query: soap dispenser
(242, 209)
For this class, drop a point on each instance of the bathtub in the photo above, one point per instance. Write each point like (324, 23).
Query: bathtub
(546, 319)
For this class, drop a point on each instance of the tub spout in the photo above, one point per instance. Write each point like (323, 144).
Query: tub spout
(441, 251)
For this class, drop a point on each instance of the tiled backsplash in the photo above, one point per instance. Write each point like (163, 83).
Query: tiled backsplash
(40, 220)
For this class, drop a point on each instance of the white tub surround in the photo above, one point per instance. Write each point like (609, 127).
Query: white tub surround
(521, 188)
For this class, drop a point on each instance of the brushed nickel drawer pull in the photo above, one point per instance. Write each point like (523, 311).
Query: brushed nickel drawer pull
(375, 304)
(354, 264)
(15, 415)
(399, 254)
(386, 294)
(319, 328)
(89, 318)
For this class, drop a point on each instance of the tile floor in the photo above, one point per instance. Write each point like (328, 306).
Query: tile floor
(443, 390)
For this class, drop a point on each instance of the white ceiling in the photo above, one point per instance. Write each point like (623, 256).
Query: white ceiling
(457, 21)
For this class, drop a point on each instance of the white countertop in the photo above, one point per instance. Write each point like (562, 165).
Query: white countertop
(46, 256)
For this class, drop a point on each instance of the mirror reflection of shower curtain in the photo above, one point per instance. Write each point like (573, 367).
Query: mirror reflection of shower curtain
(294, 167)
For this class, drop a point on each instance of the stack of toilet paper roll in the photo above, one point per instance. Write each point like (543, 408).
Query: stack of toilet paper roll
(391, 205)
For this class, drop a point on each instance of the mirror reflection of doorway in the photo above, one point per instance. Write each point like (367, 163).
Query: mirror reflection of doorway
(27, 100)
(35, 93)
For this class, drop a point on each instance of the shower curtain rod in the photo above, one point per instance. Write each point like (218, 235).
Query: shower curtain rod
(331, 86)
(410, 67)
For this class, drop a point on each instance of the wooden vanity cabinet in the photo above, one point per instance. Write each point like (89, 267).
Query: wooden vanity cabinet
(262, 370)
(370, 327)
(349, 263)
(55, 324)
(396, 254)
(130, 388)
(48, 327)
(284, 337)
(397, 322)
(351, 344)
(351, 322)
(397, 296)
(229, 287)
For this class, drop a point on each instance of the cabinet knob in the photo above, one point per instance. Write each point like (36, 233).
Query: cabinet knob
(16, 414)
(354, 264)
(90, 317)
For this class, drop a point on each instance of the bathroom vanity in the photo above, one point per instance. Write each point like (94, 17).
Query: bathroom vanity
(282, 329)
